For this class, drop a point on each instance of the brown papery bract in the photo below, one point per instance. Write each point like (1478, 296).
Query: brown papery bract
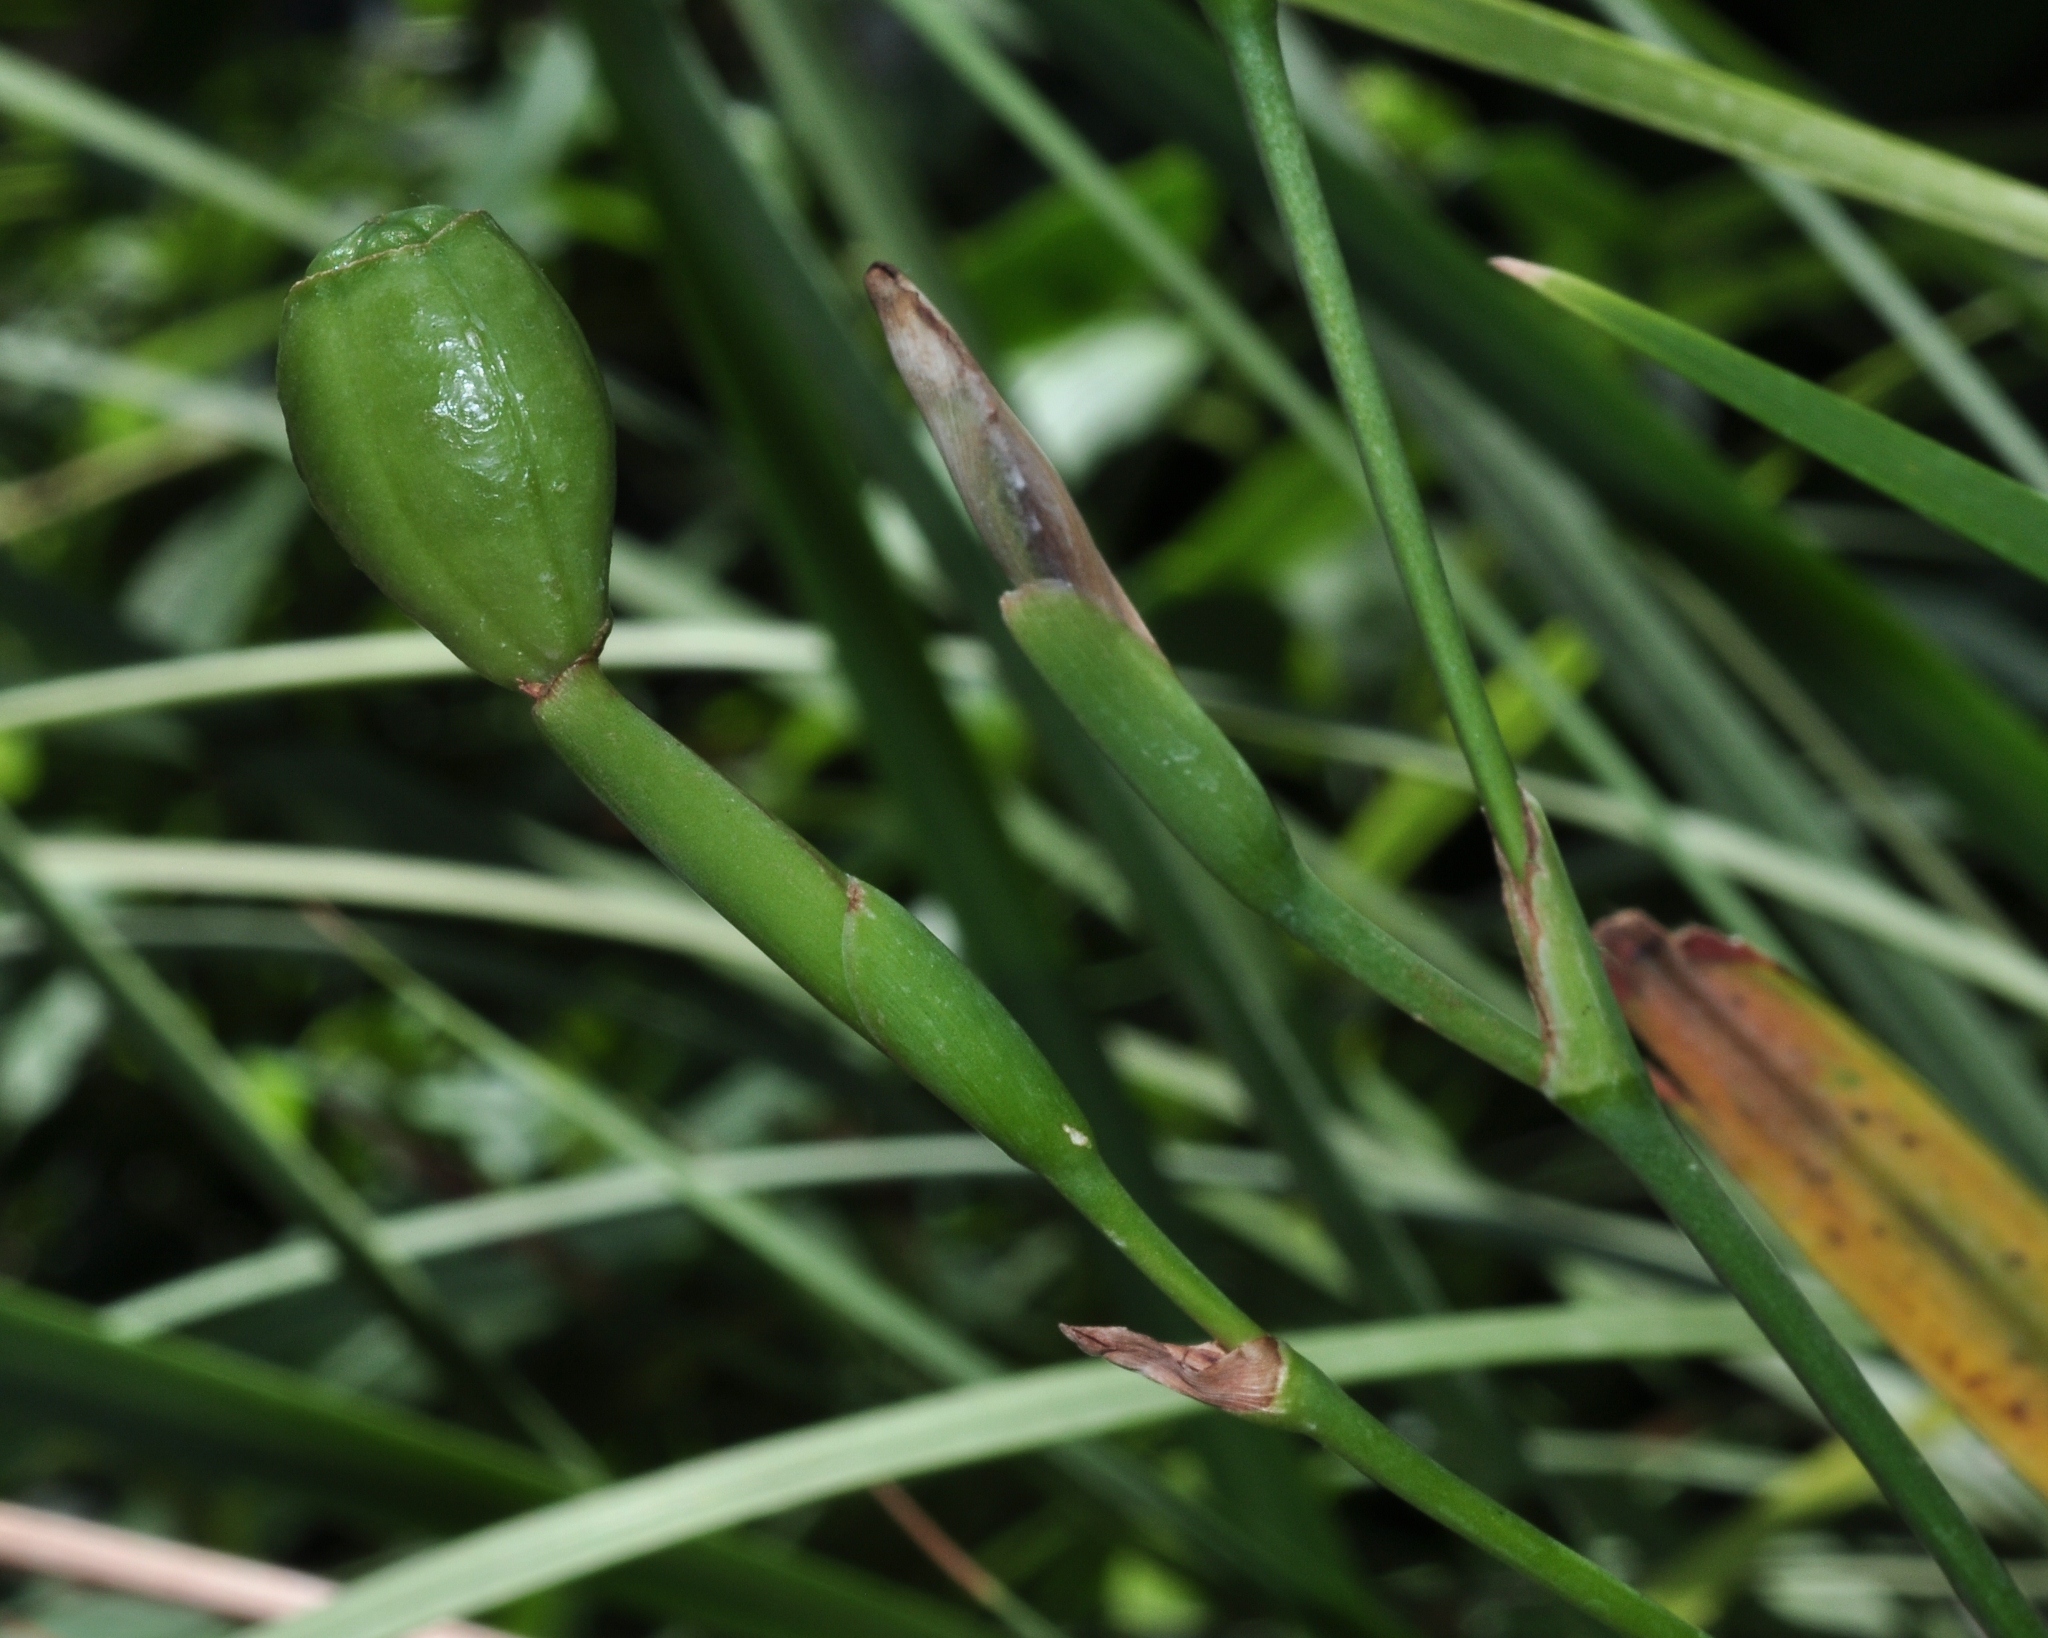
(1018, 501)
(1925, 1230)
(1243, 1380)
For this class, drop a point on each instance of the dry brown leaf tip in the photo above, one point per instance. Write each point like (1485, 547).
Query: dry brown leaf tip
(1631, 941)
(1243, 1380)
(1661, 975)
(1012, 491)
(928, 351)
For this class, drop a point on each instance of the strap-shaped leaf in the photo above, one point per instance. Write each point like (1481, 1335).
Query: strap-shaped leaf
(224, 1417)
(1948, 488)
(1718, 110)
(1025, 1411)
(1913, 1218)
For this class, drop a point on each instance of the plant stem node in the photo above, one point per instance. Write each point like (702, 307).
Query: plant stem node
(538, 691)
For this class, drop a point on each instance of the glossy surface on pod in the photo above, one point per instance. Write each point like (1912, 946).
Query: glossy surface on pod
(452, 428)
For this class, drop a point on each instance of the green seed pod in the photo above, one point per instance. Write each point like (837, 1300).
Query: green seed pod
(920, 1004)
(452, 429)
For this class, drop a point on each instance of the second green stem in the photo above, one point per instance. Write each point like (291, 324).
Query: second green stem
(1251, 39)
(1624, 1113)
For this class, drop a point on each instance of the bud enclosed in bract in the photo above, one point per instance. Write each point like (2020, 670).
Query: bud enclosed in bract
(453, 430)
(1018, 502)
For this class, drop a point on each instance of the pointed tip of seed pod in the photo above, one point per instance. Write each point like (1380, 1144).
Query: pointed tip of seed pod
(1011, 490)
(406, 229)
(928, 351)
(1527, 272)
(1245, 1379)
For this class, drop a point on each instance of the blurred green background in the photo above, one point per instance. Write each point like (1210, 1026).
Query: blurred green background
(1624, 521)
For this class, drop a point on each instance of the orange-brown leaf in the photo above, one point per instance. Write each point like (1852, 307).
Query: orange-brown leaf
(1926, 1231)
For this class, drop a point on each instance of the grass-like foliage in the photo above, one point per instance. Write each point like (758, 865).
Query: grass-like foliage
(721, 725)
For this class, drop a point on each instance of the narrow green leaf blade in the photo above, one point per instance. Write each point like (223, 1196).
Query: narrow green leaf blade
(256, 1419)
(222, 1416)
(953, 1429)
(1885, 681)
(1690, 100)
(1948, 488)
(40, 95)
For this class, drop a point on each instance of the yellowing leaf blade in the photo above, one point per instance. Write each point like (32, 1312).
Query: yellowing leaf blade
(1900, 1206)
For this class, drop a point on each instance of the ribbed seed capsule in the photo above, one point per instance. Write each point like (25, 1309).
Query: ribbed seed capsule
(452, 429)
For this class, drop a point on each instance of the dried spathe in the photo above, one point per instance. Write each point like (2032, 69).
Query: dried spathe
(1243, 1380)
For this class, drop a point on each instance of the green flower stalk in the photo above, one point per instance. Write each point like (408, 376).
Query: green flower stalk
(1107, 670)
(1070, 615)
(1590, 1064)
(477, 389)
(918, 1003)
(1103, 664)
(517, 589)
